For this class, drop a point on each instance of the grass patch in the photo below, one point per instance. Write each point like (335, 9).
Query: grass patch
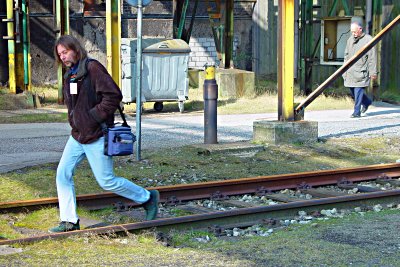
(186, 165)
(179, 212)
(391, 97)
(320, 244)
(35, 118)
(317, 245)
(40, 220)
(47, 94)
(265, 103)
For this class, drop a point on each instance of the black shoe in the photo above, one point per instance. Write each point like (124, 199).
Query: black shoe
(151, 206)
(65, 227)
(364, 109)
(355, 115)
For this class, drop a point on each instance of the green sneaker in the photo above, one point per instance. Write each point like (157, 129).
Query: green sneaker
(65, 227)
(151, 206)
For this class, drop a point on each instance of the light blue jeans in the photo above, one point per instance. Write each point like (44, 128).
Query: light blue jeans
(102, 167)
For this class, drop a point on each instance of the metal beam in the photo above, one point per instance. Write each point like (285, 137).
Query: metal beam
(285, 60)
(346, 65)
(113, 35)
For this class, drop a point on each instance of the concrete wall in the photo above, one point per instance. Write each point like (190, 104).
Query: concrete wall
(265, 34)
(42, 36)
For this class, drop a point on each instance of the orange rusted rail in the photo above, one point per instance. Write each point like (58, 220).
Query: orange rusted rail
(244, 217)
(259, 185)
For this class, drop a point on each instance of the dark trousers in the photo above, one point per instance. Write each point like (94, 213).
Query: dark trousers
(360, 98)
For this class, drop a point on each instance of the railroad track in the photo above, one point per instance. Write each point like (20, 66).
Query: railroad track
(241, 214)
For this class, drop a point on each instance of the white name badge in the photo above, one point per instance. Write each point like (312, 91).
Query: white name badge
(73, 88)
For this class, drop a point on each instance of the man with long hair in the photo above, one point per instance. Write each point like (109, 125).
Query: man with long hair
(91, 97)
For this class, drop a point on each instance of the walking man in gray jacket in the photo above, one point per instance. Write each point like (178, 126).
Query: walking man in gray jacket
(358, 77)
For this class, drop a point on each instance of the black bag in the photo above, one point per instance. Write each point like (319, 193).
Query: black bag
(118, 140)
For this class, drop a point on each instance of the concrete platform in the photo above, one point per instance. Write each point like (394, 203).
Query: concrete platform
(235, 148)
(232, 83)
(278, 132)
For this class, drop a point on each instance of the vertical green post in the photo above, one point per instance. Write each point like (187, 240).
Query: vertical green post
(346, 7)
(306, 45)
(25, 43)
(229, 20)
(182, 19)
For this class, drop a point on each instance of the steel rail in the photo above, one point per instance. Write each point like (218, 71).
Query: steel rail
(244, 216)
(217, 189)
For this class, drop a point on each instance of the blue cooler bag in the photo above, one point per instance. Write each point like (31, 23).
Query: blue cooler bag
(118, 141)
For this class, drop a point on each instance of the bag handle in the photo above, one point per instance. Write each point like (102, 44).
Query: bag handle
(125, 124)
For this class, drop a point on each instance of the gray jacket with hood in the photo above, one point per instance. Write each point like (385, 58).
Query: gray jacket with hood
(359, 74)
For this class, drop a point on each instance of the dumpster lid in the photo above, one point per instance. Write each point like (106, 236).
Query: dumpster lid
(146, 42)
(168, 46)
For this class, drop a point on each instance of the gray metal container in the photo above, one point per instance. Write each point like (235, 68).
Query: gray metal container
(164, 75)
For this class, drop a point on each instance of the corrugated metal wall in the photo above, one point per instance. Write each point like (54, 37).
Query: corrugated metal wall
(265, 39)
(390, 52)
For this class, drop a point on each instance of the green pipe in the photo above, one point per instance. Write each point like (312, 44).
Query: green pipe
(183, 18)
(346, 8)
(25, 42)
(229, 23)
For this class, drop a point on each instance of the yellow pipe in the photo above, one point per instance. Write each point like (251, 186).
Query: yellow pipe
(62, 24)
(66, 16)
(287, 66)
(113, 35)
(11, 48)
(210, 73)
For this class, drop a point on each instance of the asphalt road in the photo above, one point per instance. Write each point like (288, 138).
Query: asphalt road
(24, 145)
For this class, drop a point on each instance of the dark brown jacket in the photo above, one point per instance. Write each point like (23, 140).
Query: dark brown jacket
(97, 99)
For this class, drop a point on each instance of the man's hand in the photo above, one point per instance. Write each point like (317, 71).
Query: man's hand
(374, 77)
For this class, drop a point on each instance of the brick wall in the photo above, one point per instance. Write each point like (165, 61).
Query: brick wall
(204, 52)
